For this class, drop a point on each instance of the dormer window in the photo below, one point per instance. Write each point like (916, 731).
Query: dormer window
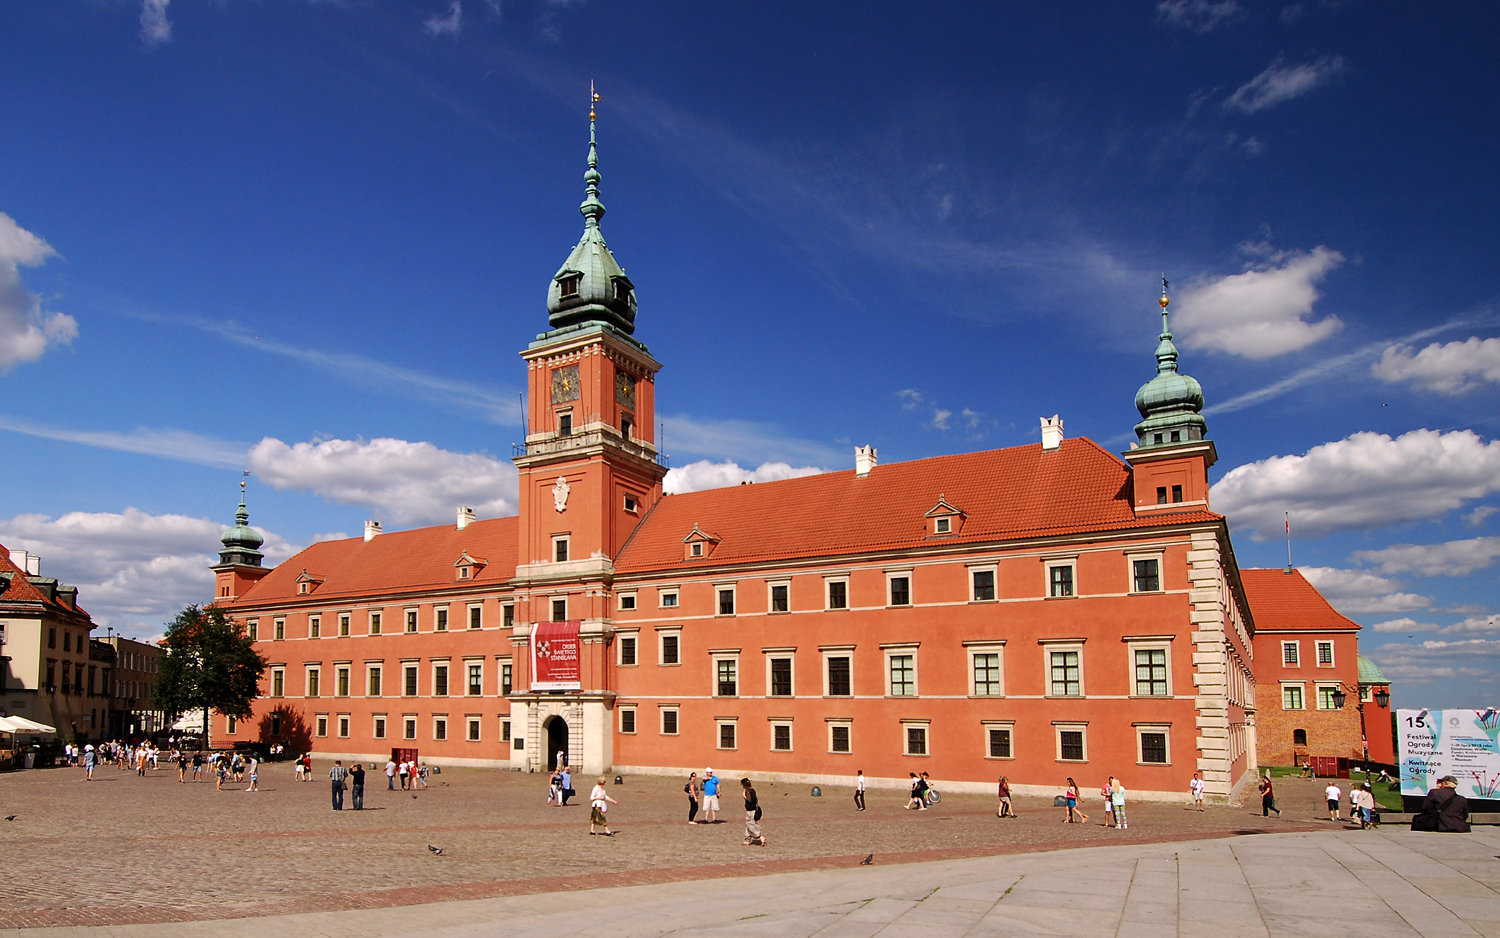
(465, 572)
(696, 550)
(306, 582)
(944, 525)
(944, 519)
(568, 286)
(301, 588)
(1176, 436)
(1156, 438)
(622, 290)
(466, 567)
(699, 543)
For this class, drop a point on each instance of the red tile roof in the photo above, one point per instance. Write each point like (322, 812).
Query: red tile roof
(1282, 601)
(22, 590)
(397, 562)
(1021, 492)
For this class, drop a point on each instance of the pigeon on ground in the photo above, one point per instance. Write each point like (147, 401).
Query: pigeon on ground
(10, 817)
(869, 859)
(436, 851)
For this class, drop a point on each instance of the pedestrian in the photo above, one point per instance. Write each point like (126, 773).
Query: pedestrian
(1267, 796)
(181, 759)
(917, 797)
(357, 786)
(197, 765)
(1070, 797)
(929, 791)
(390, 775)
(567, 785)
(1117, 799)
(90, 759)
(1334, 795)
(1364, 803)
(691, 789)
(599, 802)
(337, 776)
(1443, 810)
(1196, 787)
(422, 771)
(554, 790)
(1005, 806)
(254, 769)
(754, 837)
(301, 769)
(404, 770)
(237, 766)
(1109, 805)
(859, 789)
(710, 797)
(307, 767)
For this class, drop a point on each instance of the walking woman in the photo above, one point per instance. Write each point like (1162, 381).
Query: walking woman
(1075, 816)
(918, 798)
(1005, 807)
(692, 790)
(1117, 801)
(599, 802)
(1268, 796)
(754, 837)
(859, 789)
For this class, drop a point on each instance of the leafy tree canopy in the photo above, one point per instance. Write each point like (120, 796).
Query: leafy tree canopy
(211, 664)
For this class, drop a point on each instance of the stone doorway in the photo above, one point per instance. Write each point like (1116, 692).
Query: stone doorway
(557, 742)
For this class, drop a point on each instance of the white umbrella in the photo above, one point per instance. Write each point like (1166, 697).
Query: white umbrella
(24, 725)
(8, 727)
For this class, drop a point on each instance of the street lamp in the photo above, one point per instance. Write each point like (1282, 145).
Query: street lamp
(1383, 697)
(1339, 697)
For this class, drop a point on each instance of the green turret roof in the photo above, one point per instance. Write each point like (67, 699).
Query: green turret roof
(1370, 673)
(241, 542)
(1170, 403)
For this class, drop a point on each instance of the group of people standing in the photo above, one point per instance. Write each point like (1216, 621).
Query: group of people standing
(704, 793)
(409, 773)
(1113, 793)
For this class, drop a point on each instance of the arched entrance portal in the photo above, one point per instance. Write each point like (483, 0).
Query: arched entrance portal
(557, 742)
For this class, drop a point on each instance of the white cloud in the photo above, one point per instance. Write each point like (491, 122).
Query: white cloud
(1451, 558)
(134, 570)
(1478, 515)
(1353, 592)
(404, 483)
(1259, 313)
(1483, 625)
(155, 27)
(940, 418)
(1451, 368)
(25, 331)
(1201, 16)
(1365, 481)
(1403, 624)
(449, 25)
(744, 441)
(1438, 660)
(168, 443)
(1281, 82)
(703, 474)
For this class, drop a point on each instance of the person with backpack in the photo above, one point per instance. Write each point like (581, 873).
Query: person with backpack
(754, 836)
(691, 789)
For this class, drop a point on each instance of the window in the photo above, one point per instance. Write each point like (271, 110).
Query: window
(779, 600)
(476, 617)
(559, 610)
(343, 726)
(998, 741)
(505, 731)
(1290, 654)
(476, 679)
(838, 737)
(903, 671)
(559, 549)
(379, 731)
(1147, 575)
(439, 728)
(1291, 696)
(441, 620)
(1060, 580)
(781, 737)
(984, 585)
(508, 615)
(341, 682)
(943, 525)
(696, 549)
(669, 599)
(1161, 490)
(725, 674)
(839, 684)
(1151, 672)
(374, 623)
(275, 724)
(671, 648)
(669, 725)
(279, 629)
(900, 590)
(1325, 654)
(410, 689)
(627, 650)
(838, 594)
(440, 680)
(313, 680)
(409, 728)
(625, 427)
(1325, 697)
(1299, 737)
(986, 674)
(1070, 745)
(1066, 677)
(411, 620)
(726, 600)
(321, 724)
(374, 680)
(231, 725)
(52, 637)
(473, 729)
(505, 679)
(627, 719)
(344, 626)
(726, 735)
(568, 286)
(67, 641)
(564, 424)
(781, 677)
(1176, 489)
(627, 602)
(1153, 745)
(278, 682)
(252, 629)
(916, 740)
(631, 503)
(314, 626)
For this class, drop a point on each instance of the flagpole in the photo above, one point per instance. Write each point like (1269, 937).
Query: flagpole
(1288, 542)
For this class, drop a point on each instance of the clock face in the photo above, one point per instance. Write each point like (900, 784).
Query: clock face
(565, 384)
(624, 389)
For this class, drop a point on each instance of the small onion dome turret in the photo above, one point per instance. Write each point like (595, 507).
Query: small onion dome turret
(1170, 403)
(241, 542)
(591, 286)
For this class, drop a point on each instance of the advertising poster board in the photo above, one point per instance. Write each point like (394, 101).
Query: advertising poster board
(1461, 743)
(554, 656)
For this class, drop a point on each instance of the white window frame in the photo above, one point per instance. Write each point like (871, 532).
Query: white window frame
(676, 711)
(719, 724)
(378, 725)
(771, 597)
(669, 592)
(473, 728)
(1140, 751)
(505, 730)
(447, 665)
(1054, 563)
(635, 726)
(622, 598)
(846, 724)
(902, 650)
(405, 666)
(734, 599)
(993, 569)
(343, 674)
(837, 651)
(315, 626)
(444, 613)
(634, 636)
(320, 725)
(926, 727)
(375, 623)
(440, 720)
(726, 654)
(943, 525)
(791, 741)
(973, 649)
(786, 654)
(1134, 644)
(1301, 693)
(408, 726)
(1130, 558)
(346, 624)
(501, 663)
(312, 675)
(278, 629)
(1006, 725)
(911, 592)
(566, 540)
(467, 664)
(1068, 726)
(277, 673)
(1048, 647)
(1297, 651)
(252, 629)
(828, 582)
(413, 615)
(469, 609)
(1319, 688)
(1318, 654)
(662, 633)
(344, 722)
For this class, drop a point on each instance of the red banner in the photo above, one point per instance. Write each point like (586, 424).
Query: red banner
(554, 656)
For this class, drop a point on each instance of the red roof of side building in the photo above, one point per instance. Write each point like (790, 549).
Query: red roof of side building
(1006, 494)
(22, 590)
(398, 562)
(1282, 601)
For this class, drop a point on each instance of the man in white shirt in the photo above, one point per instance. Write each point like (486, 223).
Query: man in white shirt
(1334, 794)
(390, 775)
(1196, 787)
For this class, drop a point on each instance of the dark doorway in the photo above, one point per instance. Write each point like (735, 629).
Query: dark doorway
(557, 742)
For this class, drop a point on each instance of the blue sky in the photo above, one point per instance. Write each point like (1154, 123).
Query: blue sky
(308, 238)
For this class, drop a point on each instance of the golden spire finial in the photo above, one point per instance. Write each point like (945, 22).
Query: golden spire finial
(593, 99)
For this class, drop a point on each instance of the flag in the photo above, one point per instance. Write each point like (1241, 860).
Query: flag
(1289, 524)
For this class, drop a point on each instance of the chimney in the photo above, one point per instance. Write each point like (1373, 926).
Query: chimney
(465, 517)
(372, 528)
(1052, 432)
(864, 461)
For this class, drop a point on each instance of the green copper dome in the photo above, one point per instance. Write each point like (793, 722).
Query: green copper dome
(1170, 403)
(241, 542)
(591, 286)
(1370, 673)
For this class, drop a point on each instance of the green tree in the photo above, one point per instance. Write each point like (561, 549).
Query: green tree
(211, 664)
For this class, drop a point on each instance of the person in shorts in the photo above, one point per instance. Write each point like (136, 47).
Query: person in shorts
(1196, 787)
(710, 797)
(1334, 795)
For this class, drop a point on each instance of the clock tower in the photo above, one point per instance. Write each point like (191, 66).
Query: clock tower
(589, 472)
